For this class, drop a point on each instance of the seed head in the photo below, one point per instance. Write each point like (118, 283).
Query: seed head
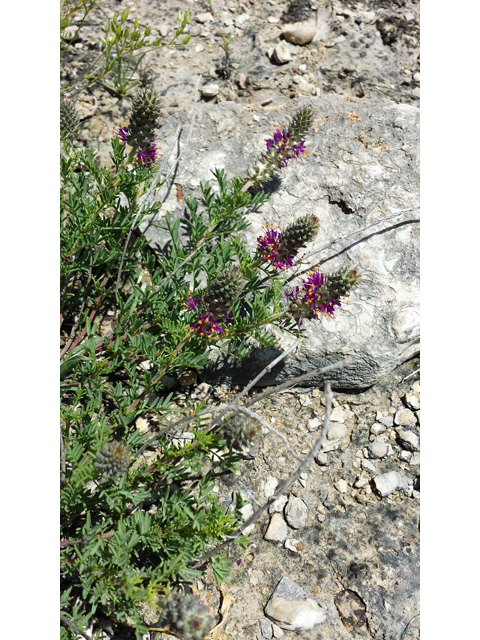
(69, 120)
(241, 431)
(114, 459)
(185, 617)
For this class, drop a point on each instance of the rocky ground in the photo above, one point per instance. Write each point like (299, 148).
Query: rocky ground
(346, 537)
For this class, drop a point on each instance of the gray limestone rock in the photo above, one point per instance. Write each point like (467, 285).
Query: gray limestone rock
(363, 166)
(377, 553)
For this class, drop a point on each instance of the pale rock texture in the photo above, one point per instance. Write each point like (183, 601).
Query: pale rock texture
(364, 166)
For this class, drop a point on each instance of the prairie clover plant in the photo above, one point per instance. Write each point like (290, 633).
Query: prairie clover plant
(137, 504)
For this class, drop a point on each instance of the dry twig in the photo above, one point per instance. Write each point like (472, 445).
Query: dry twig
(70, 624)
(285, 486)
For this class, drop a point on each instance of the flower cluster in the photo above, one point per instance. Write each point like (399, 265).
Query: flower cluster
(206, 324)
(241, 431)
(147, 152)
(284, 146)
(281, 247)
(271, 247)
(215, 305)
(320, 294)
(69, 120)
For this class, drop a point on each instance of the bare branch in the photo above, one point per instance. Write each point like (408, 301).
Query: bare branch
(285, 486)
(70, 624)
(232, 406)
(412, 374)
(268, 368)
(352, 233)
(62, 455)
(268, 426)
(305, 376)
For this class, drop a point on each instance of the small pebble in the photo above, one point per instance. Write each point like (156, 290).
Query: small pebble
(204, 17)
(241, 20)
(406, 456)
(387, 420)
(361, 482)
(377, 428)
(210, 90)
(281, 53)
(415, 461)
(341, 486)
(266, 628)
(338, 415)
(292, 609)
(270, 486)
(408, 439)
(405, 417)
(277, 529)
(300, 32)
(323, 459)
(278, 505)
(368, 466)
(378, 448)
(296, 512)
(416, 76)
(392, 481)
(336, 430)
(314, 424)
(412, 401)
(199, 47)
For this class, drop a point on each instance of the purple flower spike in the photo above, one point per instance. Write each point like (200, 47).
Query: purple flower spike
(239, 562)
(312, 299)
(271, 247)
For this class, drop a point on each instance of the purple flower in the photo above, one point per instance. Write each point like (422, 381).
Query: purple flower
(284, 148)
(239, 562)
(313, 298)
(146, 153)
(207, 324)
(271, 247)
(123, 134)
